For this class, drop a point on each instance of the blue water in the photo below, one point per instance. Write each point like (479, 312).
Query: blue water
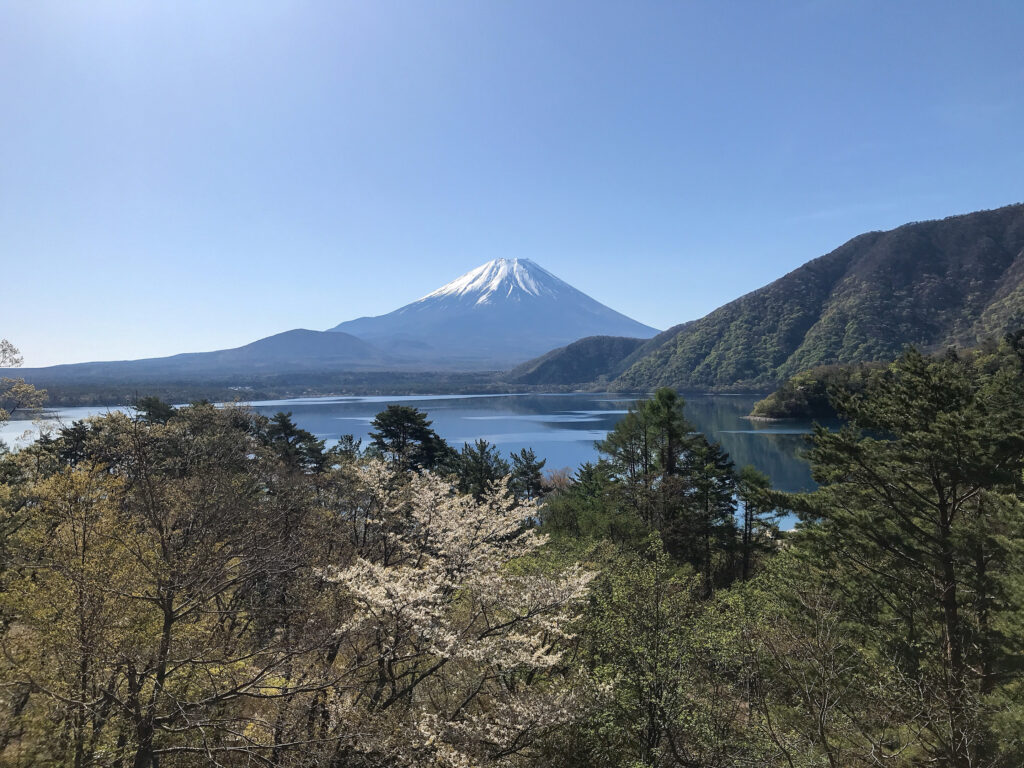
(561, 428)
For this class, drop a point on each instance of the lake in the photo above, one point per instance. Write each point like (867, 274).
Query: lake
(561, 428)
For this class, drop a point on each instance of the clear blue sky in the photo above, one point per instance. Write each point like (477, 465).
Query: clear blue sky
(190, 176)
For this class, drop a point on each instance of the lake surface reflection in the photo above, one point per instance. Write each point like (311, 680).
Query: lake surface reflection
(561, 428)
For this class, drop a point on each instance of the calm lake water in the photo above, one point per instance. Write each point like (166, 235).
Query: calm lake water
(561, 428)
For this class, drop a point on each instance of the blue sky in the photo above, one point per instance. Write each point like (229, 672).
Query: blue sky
(189, 176)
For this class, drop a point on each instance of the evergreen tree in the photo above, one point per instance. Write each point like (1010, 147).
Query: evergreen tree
(153, 410)
(702, 527)
(627, 453)
(586, 510)
(403, 435)
(753, 489)
(527, 483)
(669, 428)
(348, 448)
(917, 520)
(73, 441)
(298, 448)
(480, 469)
(677, 483)
(646, 449)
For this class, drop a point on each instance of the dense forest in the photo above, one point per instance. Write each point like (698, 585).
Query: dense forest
(809, 394)
(202, 586)
(933, 284)
(594, 360)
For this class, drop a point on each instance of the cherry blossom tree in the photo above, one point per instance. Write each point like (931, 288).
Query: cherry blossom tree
(455, 628)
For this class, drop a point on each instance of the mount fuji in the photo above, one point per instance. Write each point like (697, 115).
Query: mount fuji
(492, 318)
(501, 313)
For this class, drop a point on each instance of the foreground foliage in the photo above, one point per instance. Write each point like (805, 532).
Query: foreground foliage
(15, 393)
(199, 591)
(201, 586)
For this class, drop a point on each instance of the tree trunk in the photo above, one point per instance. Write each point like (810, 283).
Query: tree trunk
(955, 683)
(144, 757)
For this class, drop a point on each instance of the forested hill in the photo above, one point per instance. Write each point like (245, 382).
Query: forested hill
(930, 284)
(584, 361)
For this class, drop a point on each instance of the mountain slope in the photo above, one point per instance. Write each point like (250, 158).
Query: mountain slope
(581, 362)
(931, 284)
(493, 317)
(501, 313)
(293, 351)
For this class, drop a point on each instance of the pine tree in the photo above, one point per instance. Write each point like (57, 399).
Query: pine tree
(753, 489)
(297, 448)
(403, 435)
(480, 469)
(153, 410)
(645, 450)
(527, 482)
(702, 530)
(918, 514)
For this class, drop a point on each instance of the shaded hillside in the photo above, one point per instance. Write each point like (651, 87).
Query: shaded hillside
(931, 284)
(583, 361)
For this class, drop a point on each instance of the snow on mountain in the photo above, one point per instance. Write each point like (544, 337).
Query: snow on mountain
(492, 318)
(502, 279)
(501, 313)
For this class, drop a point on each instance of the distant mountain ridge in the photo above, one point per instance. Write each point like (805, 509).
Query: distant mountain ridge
(493, 317)
(500, 314)
(953, 281)
(297, 350)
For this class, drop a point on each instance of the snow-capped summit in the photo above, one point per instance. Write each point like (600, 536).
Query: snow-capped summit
(501, 313)
(502, 279)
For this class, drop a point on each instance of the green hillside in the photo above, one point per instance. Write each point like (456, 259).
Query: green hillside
(931, 284)
(581, 362)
